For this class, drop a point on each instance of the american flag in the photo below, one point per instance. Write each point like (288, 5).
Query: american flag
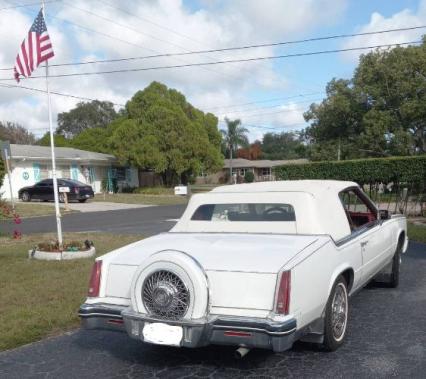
(35, 49)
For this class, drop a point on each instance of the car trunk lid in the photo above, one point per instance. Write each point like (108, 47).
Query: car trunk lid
(243, 252)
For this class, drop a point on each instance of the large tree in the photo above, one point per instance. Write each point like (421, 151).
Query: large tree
(251, 152)
(160, 130)
(381, 111)
(15, 133)
(95, 139)
(234, 137)
(59, 140)
(86, 115)
(285, 145)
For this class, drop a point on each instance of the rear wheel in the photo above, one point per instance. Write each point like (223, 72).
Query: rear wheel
(396, 266)
(61, 198)
(336, 315)
(26, 196)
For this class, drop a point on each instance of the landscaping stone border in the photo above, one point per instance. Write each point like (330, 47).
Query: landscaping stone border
(56, 256)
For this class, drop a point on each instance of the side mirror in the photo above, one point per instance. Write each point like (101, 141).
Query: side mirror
(384, 214)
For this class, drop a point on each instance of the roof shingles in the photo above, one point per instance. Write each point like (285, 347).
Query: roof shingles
(66, 153)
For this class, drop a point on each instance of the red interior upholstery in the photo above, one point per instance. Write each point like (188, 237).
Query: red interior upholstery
(361, 218)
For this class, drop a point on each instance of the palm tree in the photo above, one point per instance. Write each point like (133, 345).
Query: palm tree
(234, 136)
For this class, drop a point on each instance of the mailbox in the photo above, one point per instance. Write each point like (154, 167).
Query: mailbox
(181, 190)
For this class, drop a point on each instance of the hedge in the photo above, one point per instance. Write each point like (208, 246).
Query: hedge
(361, 171)
(2, 172)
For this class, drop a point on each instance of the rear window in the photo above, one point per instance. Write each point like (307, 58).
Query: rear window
(245, 212)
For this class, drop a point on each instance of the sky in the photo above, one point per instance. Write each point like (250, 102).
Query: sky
(267, 95)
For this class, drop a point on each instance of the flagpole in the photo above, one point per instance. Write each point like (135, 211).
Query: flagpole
(52, 148)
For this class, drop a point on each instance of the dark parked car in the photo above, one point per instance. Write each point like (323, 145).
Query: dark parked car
(44, 191)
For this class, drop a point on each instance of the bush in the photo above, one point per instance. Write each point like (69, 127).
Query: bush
(128, 189)
(249, 177)
(362, 171)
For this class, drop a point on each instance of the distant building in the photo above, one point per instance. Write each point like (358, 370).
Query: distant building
(262, 170)
(30, 164)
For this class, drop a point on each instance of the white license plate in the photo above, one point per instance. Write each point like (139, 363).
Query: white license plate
(87, 195)
(162, 334)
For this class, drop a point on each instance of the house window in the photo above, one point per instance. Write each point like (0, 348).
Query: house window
(266, 171)
(119, 173)
(241, 171)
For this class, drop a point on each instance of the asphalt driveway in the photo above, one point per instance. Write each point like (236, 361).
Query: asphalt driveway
(386, 338)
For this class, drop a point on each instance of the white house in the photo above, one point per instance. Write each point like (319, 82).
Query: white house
(30, 164)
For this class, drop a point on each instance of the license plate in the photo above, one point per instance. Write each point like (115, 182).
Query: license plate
(87, 195)
(162, 334)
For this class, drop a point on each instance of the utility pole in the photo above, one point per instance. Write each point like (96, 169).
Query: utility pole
(230, 164)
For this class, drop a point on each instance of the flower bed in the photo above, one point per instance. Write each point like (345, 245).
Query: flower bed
(70, 250)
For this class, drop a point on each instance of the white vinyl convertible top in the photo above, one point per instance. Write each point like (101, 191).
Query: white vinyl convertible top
(311, 186)
(316, 203)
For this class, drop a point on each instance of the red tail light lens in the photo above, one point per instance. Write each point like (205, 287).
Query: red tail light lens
(95, 279)
(283, 296)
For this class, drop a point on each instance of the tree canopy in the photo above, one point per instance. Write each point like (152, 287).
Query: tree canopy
(251, 152)
(234, 137)
(380, 111)
(15, 133)
(86, 115)
(162, 131)
(59, 140)
(285, 145)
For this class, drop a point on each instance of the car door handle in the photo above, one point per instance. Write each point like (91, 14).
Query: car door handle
(364, 243)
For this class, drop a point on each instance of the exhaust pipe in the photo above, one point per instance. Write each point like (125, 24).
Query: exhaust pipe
(241, 352)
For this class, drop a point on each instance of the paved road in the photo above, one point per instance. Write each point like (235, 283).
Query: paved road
(386, 338)
(146, 221)
(91, 206)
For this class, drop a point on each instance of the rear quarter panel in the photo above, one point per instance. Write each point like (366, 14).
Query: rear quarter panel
(313, 276)
(398, 227)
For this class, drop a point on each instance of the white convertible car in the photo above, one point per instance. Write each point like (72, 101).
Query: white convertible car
(252, 265)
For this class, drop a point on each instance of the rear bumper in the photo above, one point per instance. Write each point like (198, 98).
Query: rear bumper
(81, 196)
(214, 329)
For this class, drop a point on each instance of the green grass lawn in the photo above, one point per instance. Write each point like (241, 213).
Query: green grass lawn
(139, 198)
(25, 210)
(417, 232)
(40, 298)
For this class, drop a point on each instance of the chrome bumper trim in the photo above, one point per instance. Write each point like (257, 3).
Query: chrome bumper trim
(267, 334)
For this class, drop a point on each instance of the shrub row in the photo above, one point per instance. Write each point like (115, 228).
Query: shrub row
(362, 171)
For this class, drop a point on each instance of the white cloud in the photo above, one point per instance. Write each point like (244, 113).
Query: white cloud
(403, 19)
(220, 23)
(279, 19)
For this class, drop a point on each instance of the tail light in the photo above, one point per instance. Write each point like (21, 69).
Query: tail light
(283, 296)
(76, 190)
(95, 279)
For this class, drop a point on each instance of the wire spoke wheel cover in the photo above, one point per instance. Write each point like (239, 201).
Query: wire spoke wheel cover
(339, 312)
(165, 295)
